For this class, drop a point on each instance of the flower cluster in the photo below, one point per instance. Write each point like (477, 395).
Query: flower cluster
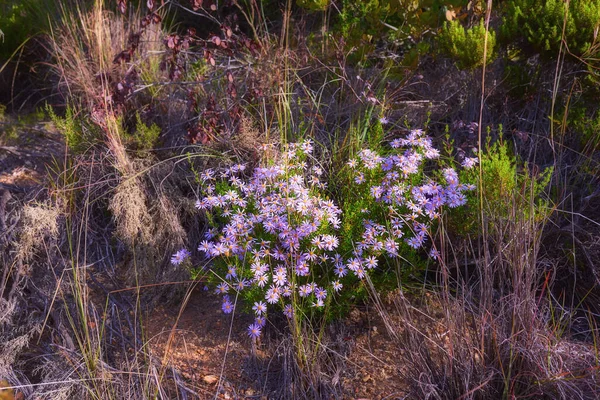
(276, 229)
(412, 201)
(274, 237)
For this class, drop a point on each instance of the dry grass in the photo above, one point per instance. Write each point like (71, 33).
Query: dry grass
(86, 42)
(39, 221)
(128, 206)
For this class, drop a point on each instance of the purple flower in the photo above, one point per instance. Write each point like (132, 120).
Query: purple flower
(469, 162)
(319, 303)
(272, 295)
(340, 270)
(179, 257)
(222, 288)
(337, 286)
(304, 290)
(260, 308)
(320, 293)
(227, 305)
(254, 331)
(370, 262)
(288, 311)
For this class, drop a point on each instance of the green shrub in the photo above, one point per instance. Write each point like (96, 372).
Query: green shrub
(540, 22)
(504, 177)
(145, 137)
(586, 125)
(70, 127)
(404, 20)
(313, 5)
(466, 45)
(21, 19)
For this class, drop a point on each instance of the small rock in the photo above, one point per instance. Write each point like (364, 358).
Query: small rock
(210, 379)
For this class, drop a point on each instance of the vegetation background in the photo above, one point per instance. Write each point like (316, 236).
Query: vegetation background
(111, 111)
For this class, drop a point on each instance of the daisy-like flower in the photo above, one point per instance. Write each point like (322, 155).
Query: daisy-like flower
(241, 284)
(231, 272)
(433, 253)
(370, 262)
(286, 291)
(469, 162)
(384, 121)
(288, 311)
(330, 242)
(354, 264)
(340, 270)
(337, 286)
(205, 246)
(360, 272)
(396, 143)
(318, 241)
(376, 191)
(260, 321)
(415, 242)
(180, 256)
(320, 293)
(260, 308)
(279, 279)
(311, 255)
(304, 290)
(261, 280)
(318, 303)
(360, 178)
(254, 331)
(222, 288)
(227, 305)
(272, 295)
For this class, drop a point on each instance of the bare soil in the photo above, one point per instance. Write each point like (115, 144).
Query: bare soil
(199, 344)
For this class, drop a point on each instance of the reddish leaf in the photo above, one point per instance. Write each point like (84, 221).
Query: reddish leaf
(196, 5)
(122, 4)
(172, 41)
(150, 4)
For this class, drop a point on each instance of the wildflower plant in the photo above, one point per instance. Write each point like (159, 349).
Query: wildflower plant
(397, 202)
(275, 239)
(279, 242)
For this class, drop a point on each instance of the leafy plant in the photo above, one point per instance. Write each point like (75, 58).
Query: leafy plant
(466, 45)
(504, 177)
(541, 22)
(20, 20)
(314, 5)
(70, 127)
(276, 238)
(144, 137)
